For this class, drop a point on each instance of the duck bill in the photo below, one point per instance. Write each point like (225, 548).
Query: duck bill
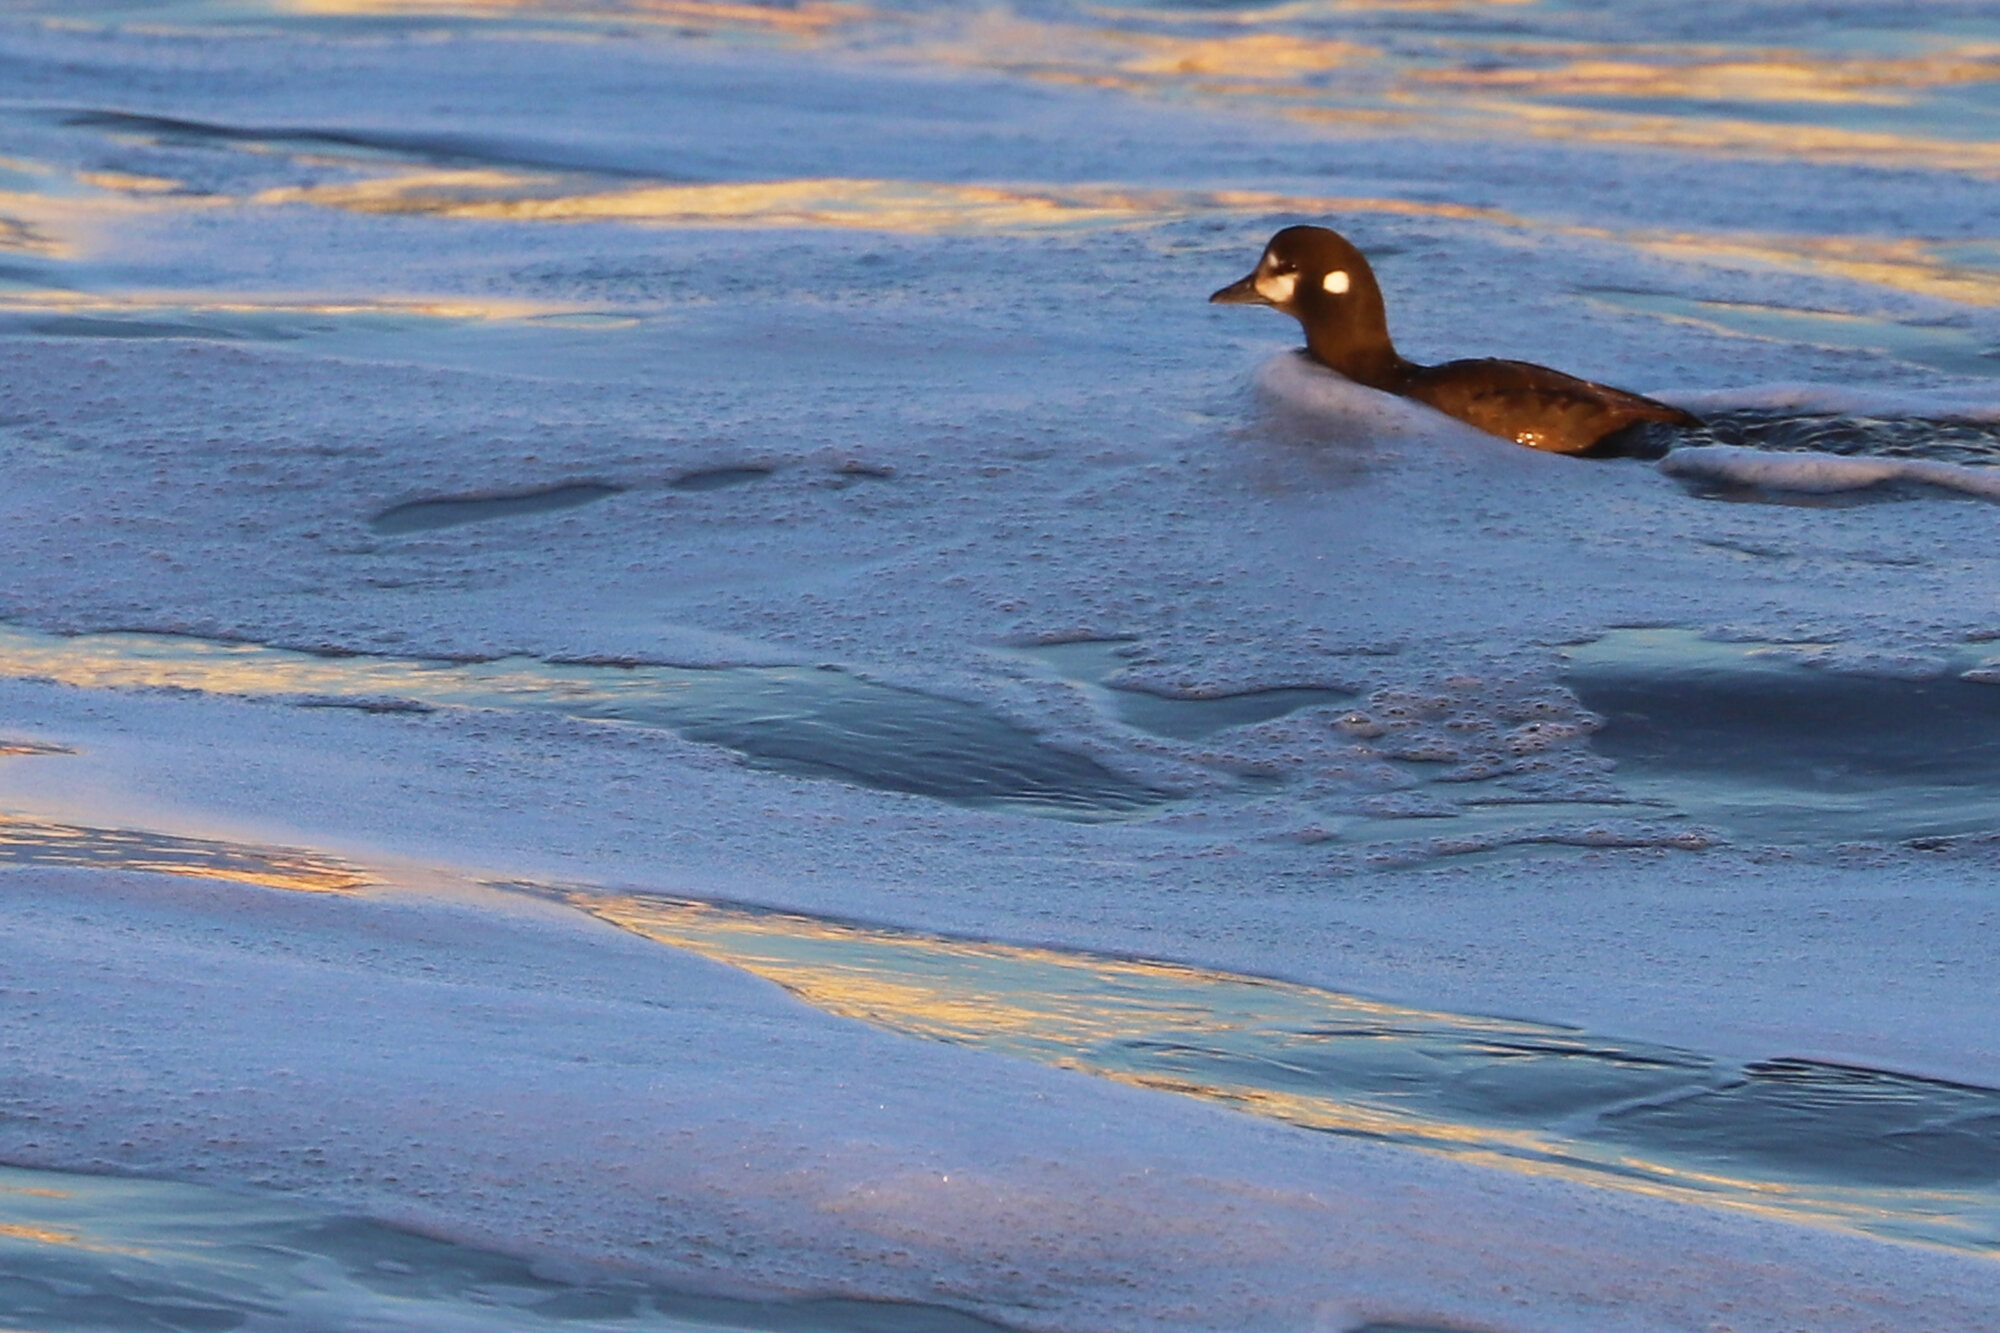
(1240, 293)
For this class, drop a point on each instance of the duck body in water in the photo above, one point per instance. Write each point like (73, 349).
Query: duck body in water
(1318, 278)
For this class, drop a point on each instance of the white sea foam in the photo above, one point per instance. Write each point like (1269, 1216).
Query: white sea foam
(1335, 412)
(1956, 403)
(1818, 473)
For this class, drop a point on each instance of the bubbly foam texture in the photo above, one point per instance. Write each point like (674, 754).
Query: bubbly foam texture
(1818, 473)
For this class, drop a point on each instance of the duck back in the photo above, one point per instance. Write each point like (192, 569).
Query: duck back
(1533, 405)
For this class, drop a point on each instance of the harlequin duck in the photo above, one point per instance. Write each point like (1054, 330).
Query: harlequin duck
(1318, 278)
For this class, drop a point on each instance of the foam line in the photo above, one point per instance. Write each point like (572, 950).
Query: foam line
(1819, 473)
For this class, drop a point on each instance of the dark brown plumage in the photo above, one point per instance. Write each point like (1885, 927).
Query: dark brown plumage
(1320, 279)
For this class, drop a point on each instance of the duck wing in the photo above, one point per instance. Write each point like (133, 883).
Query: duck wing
(1535, 406)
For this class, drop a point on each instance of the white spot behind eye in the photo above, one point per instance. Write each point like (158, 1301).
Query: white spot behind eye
(1337, 281)
(1277, 287)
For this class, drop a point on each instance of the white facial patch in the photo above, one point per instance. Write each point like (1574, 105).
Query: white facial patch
(1337, 282)
(1277, 288)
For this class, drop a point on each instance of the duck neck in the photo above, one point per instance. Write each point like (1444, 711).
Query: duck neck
(1364, 356)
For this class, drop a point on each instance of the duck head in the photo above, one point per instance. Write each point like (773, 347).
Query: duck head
(1318, 278)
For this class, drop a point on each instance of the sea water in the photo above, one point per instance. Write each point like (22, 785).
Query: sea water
(525, 519)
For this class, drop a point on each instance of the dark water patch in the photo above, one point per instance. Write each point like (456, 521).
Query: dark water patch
(832, 724)
(1493, 1075)
(1745, 737)
(84, 1254)
(1094, 662)
(859, 474)
(439, 149)
(8, 747)
(275, 326)
(364, 705)
(1938, 440)
(15, 234)
(1503, 828)
(1869, 1149)
(93, 326)
(722, 478)
(1932, 445)
(461, 337)
(1834, 1123)
(452, 510)
(1195, 719)
(815, 722)
(1792, 1121)
(32, 842)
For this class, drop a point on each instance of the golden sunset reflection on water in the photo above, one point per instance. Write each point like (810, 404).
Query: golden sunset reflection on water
(1920, 266)
(1733, 136)
(1697, 98)
(1505, 69)
(44, 843)
(879, 205)
(1101, 1015)
(61, 1239)
(969, 991)
(154, 661)
(1481, 80)
(807, 17)
(1717, 74)
(874, 205)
